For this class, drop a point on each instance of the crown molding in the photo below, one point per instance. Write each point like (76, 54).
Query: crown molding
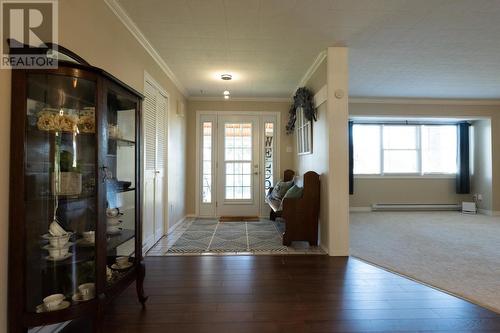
(310, 71)
(122, 15)
(240, 99)
(425, 101)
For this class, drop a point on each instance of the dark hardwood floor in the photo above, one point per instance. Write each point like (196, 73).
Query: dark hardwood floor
(287, 294)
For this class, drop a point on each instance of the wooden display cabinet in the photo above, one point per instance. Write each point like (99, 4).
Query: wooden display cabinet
(75, 161)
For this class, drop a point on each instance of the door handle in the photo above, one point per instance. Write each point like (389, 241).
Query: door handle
(256, 173)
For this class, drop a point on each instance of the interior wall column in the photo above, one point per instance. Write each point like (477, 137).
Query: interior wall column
(338, 117)
(495, 181)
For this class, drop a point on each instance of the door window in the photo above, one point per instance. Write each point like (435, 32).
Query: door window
(207, 162)
(238, 161)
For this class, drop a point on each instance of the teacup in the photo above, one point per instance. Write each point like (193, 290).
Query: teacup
(122, 261)
(56, 230)
(57, 242)
(89, 236)
(87, 291)
(112, 212)
(51, 302)
(57, 253)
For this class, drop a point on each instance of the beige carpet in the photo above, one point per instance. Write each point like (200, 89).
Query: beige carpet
(451, 251)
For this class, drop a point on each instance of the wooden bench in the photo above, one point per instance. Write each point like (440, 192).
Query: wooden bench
(301, 214)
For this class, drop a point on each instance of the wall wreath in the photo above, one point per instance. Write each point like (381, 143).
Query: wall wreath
(304, 99)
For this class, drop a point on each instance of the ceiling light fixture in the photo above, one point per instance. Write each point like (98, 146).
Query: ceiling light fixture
(226, 93)
(226, 77)
(226, 97)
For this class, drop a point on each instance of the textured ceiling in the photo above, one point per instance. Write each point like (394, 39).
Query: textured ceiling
(398, 48)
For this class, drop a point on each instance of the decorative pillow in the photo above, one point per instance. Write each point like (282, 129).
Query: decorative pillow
(274, 197)
(281, 188)
(275, 204)
(294, 192)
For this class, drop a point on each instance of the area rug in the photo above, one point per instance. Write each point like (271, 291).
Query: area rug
(448, 250)
(205, 236)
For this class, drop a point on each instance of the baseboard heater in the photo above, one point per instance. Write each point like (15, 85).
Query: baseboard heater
(415, 207)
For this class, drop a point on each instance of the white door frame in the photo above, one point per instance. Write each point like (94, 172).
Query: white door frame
(261, 114)
(149, 79)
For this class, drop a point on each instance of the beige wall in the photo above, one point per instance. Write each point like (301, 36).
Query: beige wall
(318, 78)
(318, 160)
(90, 29)
(105, 42)
(286, 160)
(481, 170)
(338, 153)
(177, 130)
(368, 191)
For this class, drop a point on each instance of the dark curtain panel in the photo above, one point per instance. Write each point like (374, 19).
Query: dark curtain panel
(351, 160)
(463, 172)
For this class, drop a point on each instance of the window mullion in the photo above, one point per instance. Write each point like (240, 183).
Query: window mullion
(419, 147)
(381, 138)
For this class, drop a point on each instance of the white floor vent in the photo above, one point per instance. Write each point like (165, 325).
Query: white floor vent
(416, 207)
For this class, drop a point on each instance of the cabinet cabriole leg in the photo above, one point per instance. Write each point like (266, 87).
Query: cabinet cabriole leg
(141, 274)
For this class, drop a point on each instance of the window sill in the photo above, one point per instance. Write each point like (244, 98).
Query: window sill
(440, 176)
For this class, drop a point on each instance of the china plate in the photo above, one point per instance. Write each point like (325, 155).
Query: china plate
(41, 308)
(121, 268)
(68, 255)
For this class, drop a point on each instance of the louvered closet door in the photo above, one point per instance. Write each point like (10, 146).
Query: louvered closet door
(160, 164)
(149, 114)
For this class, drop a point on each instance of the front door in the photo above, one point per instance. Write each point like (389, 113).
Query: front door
(238, 166)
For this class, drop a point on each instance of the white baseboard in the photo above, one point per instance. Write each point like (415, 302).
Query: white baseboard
(488, 212)
(360, 209)
(190, 215)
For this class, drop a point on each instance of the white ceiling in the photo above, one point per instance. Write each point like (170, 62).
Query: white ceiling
(398, 48)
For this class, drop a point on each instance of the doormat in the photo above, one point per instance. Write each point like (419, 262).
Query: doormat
(239, 219)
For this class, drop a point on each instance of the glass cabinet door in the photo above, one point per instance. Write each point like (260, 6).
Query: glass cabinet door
(60, 192)
(120, 184)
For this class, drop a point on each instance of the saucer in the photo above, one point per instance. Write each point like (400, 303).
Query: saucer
(68, 255)
(121, 268)
(77, 298)
(41, 308)
(84, 242)
(48, 246)
(49, 236)
(114, 232)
